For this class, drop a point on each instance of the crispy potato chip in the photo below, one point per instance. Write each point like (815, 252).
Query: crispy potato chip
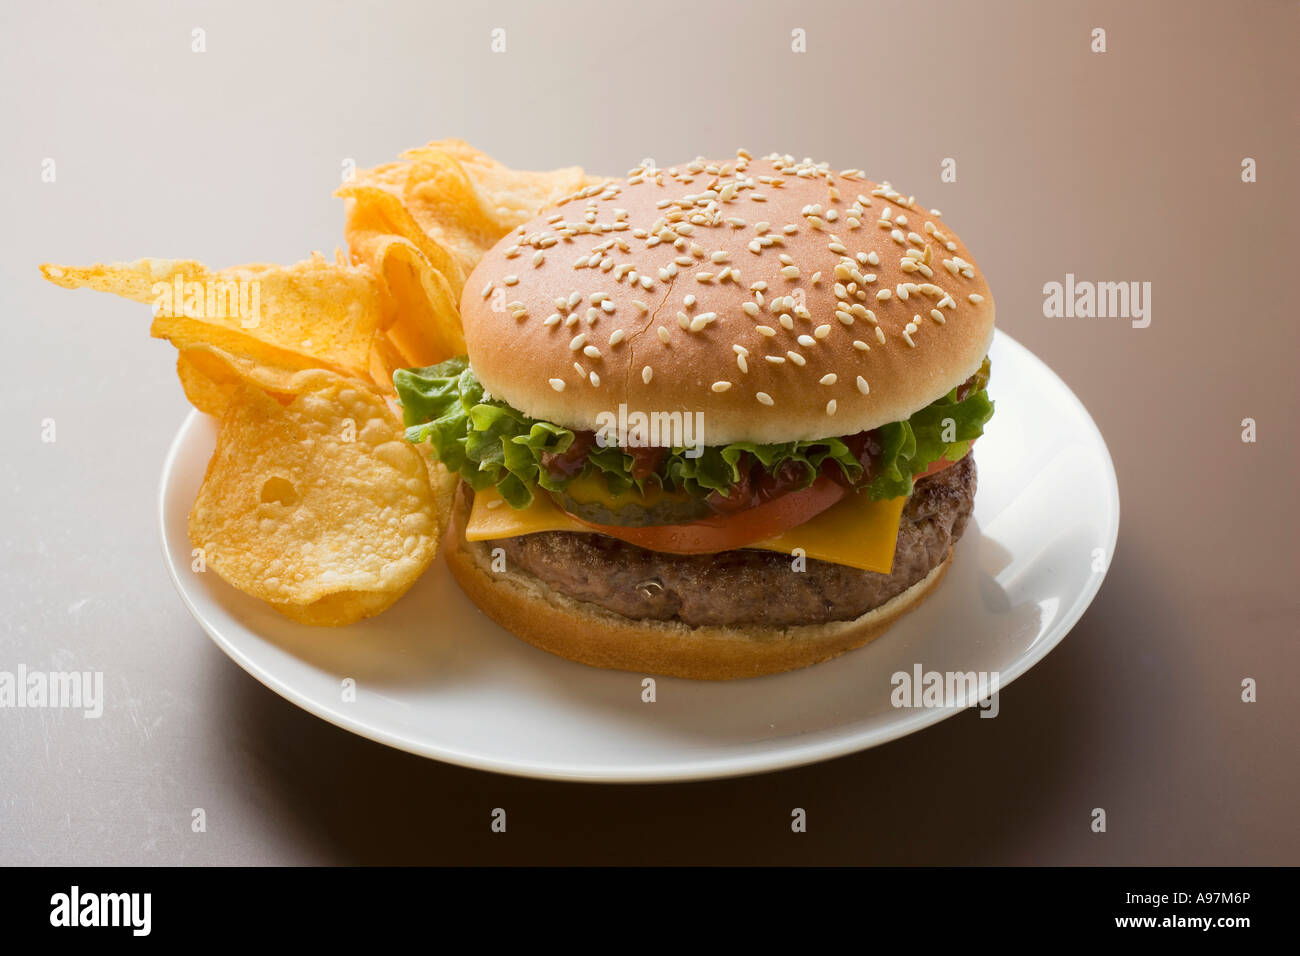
(318, 506)
(315, 314)
(462, 199)
(203, 390)
(421, 324)
(210, 376)
(376, 216)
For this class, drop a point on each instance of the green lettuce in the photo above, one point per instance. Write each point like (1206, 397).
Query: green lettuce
(489, 444)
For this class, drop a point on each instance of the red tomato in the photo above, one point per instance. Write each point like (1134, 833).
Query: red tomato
(726, 532)
(938, 466)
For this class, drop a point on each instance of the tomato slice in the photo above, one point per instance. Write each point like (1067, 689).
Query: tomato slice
(938, 465)
(727, 532)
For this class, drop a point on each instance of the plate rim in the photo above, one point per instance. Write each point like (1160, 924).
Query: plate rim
(713, 768)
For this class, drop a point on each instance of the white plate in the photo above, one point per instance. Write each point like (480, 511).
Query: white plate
(435, 677)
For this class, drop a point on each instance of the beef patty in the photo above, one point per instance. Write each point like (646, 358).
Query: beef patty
(747, 586)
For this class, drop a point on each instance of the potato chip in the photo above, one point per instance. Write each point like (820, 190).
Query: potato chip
(376, 216)
(421, 324)
(210, 376)
(315, 314)
(462, 199)
(318, 506)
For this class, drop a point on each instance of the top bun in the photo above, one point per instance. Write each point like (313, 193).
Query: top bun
(783, 300)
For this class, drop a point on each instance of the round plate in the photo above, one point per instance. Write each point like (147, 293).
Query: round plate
(435, 677)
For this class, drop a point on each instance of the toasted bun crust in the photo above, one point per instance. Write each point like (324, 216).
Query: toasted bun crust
(583, 308)
(592, 635)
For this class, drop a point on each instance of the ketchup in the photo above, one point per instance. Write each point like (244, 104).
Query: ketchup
(570, 462)
(868, 449)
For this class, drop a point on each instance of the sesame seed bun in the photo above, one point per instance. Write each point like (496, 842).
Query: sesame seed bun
(589, 634)
(789, 321)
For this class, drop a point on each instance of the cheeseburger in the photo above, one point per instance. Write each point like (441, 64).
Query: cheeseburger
(715, 420)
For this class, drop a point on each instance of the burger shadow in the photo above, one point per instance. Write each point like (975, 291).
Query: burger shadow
(968, 790)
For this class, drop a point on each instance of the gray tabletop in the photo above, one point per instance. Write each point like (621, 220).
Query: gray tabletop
(123, 138)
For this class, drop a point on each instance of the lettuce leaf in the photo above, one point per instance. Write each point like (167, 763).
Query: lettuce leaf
(488, 443)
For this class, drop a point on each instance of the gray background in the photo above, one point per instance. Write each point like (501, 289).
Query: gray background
(1122, 166)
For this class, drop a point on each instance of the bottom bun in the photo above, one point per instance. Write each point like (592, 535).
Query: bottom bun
(592, 635)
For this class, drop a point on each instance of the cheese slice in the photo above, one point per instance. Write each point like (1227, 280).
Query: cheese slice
(855, 531)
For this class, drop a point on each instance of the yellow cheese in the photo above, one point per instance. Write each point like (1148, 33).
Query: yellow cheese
(856, 531)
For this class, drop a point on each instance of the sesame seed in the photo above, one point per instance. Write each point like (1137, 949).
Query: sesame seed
(720, 386)
(552, 319)
(883, 294)
(775, 359)
(578, 341)
(787, 323)
(487, 289)
(975, 297)
(640, 306)
(704, 277)
(592, 315)
(830, 378)
(591, 351)
(595, 380)
(861, 346)
(937, 316)
(765, 330)
(647, 373)
(796, 358)
(663, 335)
(557, 384)
(750, 308)
(880, 335)
(577, 367)
(742, 364)
(698, 323)
(765, 398)
(615, 337)
(907, 337)
(790, 272)
(807, 341)
(862, 386)
(683, 320)
(830, 406)
(821, 331)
